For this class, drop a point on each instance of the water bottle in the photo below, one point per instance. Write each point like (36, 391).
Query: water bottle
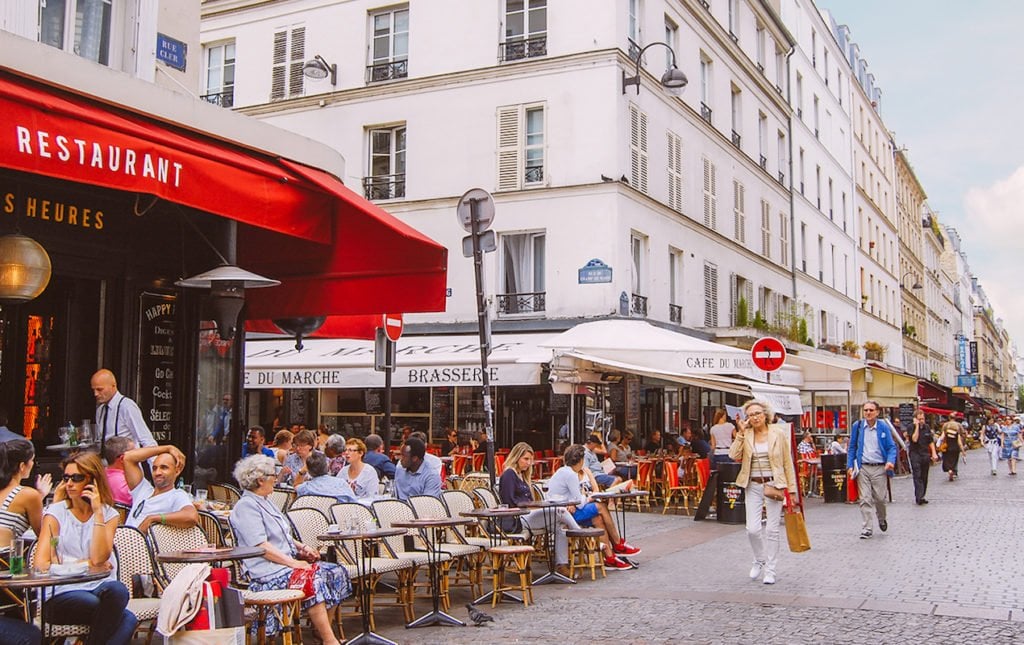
(72, 435)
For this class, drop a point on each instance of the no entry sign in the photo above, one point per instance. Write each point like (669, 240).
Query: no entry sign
(393, 325)
(769, 354)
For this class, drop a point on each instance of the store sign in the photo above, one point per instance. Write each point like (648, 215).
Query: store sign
(171, 52)
(57, 211)
(962, 355)
(973, 351)
(157, 331)
(419, 376)
(967, 380)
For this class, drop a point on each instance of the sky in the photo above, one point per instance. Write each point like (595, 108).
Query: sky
(952, 80)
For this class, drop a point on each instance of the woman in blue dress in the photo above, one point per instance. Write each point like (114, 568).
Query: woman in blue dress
(1011, 442)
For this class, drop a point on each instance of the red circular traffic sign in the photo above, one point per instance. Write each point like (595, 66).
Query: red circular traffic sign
(769, 353)
(393, 325)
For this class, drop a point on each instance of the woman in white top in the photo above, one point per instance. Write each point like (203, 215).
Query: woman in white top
(81, 522)
(363, 478)
(765, 460)
(722, 433)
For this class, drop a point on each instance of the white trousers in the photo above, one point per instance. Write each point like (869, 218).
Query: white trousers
(534, 520)
(764, 538)
(993, 449)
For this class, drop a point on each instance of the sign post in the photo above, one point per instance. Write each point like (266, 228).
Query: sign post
(476, 213)
(384, 354)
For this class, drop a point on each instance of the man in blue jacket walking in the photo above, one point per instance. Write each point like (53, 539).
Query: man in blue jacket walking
(871, 459)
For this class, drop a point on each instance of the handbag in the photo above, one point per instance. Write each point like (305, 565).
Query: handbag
(1018, 443)
(774, 493)
(302, 580)
(796, 528)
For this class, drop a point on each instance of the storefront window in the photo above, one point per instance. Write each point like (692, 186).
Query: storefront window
(214, 384)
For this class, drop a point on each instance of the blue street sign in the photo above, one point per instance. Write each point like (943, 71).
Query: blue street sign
(595, 272)
(172, 52)
(967, 380)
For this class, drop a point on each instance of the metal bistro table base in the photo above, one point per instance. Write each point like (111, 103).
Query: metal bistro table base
(550, 513)
(432, 532)
(493, 515)
(621, 513)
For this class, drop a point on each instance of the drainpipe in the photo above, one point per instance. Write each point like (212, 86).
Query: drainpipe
(792, 199)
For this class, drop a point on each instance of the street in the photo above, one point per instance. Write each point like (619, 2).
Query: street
(940, 574)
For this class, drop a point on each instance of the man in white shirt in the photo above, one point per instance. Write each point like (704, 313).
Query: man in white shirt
(116, 414)
(159, 502)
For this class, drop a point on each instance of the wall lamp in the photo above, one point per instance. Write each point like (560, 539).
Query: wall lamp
(915, 286)
(673, 78)
(319, 69)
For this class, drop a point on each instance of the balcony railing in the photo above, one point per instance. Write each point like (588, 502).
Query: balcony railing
(736, 139)
(523, 48)
(764, 162)
(760, 67)
(782, 178)
(387, 71)
(675, 314)
(705, 112)
(521, 303)
(384, 187)
(634, 50)
(224, 99)
(638, 305)
(534, 174)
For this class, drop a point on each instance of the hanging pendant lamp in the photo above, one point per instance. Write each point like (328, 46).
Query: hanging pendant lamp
(25, 268)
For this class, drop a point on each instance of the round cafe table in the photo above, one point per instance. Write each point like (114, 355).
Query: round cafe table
(621, 510)
(432, 531)
(491, 515)
(364, 565)
(550, 514)
(42, 581)
(214, 555)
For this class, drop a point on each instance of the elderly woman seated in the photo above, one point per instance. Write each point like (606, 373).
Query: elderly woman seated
(322, 482)
(256, 521)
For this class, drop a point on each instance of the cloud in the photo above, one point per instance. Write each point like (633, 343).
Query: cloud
(995, 213)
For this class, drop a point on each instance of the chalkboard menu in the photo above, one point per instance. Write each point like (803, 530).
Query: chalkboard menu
(442, 412)
(157, 331)
(617, 398)
(906, 417)
(558, 404)
(374, 400)
(632, 402)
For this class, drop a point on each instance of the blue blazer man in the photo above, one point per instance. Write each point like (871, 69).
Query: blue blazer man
(883, 430)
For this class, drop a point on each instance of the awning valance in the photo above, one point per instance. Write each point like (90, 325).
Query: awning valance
(886, 387)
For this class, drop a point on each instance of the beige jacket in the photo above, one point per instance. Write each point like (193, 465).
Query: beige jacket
(780, 456)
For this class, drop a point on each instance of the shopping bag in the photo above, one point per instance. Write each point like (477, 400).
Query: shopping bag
(302, 580)
(796, 528)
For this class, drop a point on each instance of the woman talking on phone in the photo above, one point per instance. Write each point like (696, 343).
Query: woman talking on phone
(82, 519)
(766, 471)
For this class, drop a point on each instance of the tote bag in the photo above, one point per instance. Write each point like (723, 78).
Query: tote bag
(796, 528)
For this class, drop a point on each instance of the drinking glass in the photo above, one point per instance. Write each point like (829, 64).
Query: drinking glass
(188, 489)
(18, 557)
(201, 494)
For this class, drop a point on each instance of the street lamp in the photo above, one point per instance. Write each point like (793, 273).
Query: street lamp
(673, 78)
(915, 286)
(318, 69)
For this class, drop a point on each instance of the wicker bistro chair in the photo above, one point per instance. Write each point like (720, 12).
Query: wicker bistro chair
(54, 631)
(282, 498)
(322, 503)
(458, 502)
(469, 557)
(166, 538)
(384, 562)
(122, 511)
(134, 557)
(226, 493)
(212, 527)
(393, 510)
(487, 497)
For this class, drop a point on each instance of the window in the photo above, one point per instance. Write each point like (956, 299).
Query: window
(289, 56)
(799, 96)
(675, 277)
(734, 19)
(802, 171)
(783, 239)
(766, 229)
(638, 256)
(526, 27)
(705, 87)
(740, 288)
(637, 148)
(710, 295)
(522, 273)
(735, 105)
(738, 209)
(821, 259)
(82, 27)
(675, 172)
(759, 43)
(220, 74)
(780, 70)
(386, 176)
(521, 147)
(710, 194)
(803, 247)
(389, 52)
(762, 139)
(817, 116)
(671, 39)
(634, 27)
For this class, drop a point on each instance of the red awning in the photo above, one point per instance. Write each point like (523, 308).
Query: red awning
(940, 411)
(980, 405)
(931, 392)
(334, 252)
(358, 327)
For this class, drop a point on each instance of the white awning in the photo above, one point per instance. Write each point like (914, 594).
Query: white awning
(826, 372)
(422, 361)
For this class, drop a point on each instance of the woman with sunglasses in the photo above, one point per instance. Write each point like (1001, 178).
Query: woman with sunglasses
(363, 478)
(21, 507)
(766, 461)
(83, 520)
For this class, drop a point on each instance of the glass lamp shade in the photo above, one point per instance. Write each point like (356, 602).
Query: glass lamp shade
(24, 268)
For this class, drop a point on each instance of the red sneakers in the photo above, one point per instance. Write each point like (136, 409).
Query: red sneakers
(615, 564)
(622, 548)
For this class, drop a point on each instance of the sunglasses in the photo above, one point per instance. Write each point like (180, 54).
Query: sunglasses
(78, 478)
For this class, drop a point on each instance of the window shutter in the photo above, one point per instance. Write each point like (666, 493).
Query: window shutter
(833, 324)
(748, 293)
(710, 295)
(510, 148)
(708, 204)
(766, 229)
(638, 149)
(733, 297)
(297, 60)
(280, 59)
(739, 214)
(675, 172)
(783, 239)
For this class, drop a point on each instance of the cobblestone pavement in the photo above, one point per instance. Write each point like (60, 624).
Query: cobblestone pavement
(938, 574)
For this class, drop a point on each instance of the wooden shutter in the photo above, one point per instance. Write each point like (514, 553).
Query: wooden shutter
(783, 239)
(278, 75)
(637, 149)
(833, 328)
(739, 211)
(510, 148)
(710, 190)
(675, 172)
(766, 229)
(710, 295)
(297, 58)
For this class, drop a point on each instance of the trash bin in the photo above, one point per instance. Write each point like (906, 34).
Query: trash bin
(833, 476)
(730, 508)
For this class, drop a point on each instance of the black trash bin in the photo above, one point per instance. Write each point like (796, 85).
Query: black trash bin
(833, 476)
(731, 508)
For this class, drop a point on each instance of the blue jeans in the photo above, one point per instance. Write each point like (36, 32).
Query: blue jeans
(102, 608)
(18, 632)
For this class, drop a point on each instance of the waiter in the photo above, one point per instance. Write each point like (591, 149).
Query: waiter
(116, 414)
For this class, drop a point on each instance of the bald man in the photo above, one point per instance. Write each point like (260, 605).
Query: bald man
(116, 414)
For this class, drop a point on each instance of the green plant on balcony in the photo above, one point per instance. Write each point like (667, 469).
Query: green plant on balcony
(802, 335)
(742, 313)
(933, 376)
(874, 350)
(759, 322)
(909, 330)
(850, 348)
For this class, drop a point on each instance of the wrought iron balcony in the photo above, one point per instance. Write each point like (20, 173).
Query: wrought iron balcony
(523, 48)
(534, 174)
(521, 303)
(782, 178)
(224, 99)
(387, 71)
(675, 314)
(638, 305)
(736, 139)
(705, 112)
(384, 187)
(764, 162)
(760, 67)
(634, 50)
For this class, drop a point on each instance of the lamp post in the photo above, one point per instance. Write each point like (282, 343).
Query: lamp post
(318, 69)
(915, 286)
(673, 78)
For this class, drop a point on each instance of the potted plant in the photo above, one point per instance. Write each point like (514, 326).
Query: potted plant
(741, 313)
(874, 351)
(759, 322)
(850, 348)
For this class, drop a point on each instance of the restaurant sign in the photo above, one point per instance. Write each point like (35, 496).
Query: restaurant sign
(157, 331)
(418, 376)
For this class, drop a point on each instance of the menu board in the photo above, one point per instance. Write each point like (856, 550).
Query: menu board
(442, 412)
(157, 330)
(374, 400)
